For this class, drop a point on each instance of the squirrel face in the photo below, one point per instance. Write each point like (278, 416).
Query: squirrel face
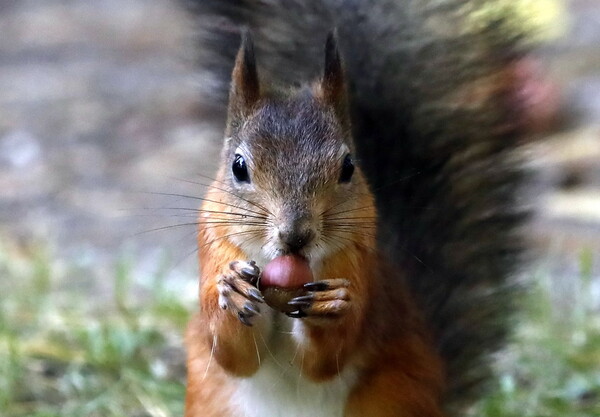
(292, 162)
(288, 163)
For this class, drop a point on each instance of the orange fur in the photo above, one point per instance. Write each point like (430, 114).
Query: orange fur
(404, 378)
(233, 344)
(381, 335)
(209, 388)
(330, 344)
(219, 346)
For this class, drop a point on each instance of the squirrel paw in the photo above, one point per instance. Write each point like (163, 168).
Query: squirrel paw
(237, 292)
(324, 299)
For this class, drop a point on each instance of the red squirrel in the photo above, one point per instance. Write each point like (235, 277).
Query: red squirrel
(397, 217)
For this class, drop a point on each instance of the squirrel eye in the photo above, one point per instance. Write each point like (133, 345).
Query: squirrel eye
(239, 169)
(347, 169)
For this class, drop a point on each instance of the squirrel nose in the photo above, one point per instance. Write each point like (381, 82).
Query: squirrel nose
(296, 237)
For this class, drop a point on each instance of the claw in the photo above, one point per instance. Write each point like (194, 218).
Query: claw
(316, 286)
(302, 301)
(249, 272)
(304, 298)
(255, 295)
(244, 319)
(298, 314)
(251, 309)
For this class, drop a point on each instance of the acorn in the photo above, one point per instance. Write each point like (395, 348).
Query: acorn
(283, 279)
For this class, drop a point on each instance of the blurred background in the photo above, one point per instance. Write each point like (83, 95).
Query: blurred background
(103, 147)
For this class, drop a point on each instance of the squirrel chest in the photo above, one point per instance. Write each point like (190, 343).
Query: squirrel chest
(279, 390)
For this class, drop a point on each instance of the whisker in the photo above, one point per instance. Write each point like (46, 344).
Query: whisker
(210, 358)
(182, 216)
(299, 381)
(269, 351)
(171, 226)
(197, 248)
(352, 218)
(332, 242)
(253, 203)
(245, 232)
(326, 214)
(233, 222)
(201, 210)
(227, 221)
(256, 347)
(208, 200)
(348, 222)
(250, 238)
(337, 235)
(351, 224)
(258, 226)
(195, 216)
(351, 236)
(349, 228)
(186, 256)
(350, 232)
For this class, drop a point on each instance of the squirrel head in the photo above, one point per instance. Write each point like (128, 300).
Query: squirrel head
(289, 164)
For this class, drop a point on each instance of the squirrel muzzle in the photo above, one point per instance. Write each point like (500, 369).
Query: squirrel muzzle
(295, 232)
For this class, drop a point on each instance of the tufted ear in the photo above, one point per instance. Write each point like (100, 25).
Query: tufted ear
(333, 85)
(245, 88)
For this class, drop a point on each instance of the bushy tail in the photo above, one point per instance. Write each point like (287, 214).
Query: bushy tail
(435, 126)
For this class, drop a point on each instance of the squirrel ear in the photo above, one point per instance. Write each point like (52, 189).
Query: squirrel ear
(333, 85)
(245, 88)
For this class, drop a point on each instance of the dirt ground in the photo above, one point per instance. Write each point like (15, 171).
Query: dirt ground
(99, 115)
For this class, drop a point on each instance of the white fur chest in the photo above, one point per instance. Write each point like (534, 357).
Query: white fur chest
(279, 390)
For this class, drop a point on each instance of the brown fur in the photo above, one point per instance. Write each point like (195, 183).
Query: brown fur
(209, 388)
(434, 124)
(380, 334)
(233, 345)
(400, 374)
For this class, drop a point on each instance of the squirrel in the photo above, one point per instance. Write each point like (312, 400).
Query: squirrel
(391, 171)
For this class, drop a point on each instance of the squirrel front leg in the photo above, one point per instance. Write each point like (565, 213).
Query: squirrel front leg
(235, 329)
(332, 316)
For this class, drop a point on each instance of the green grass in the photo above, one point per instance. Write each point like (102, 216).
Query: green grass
(553, 367)
(65, 351)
